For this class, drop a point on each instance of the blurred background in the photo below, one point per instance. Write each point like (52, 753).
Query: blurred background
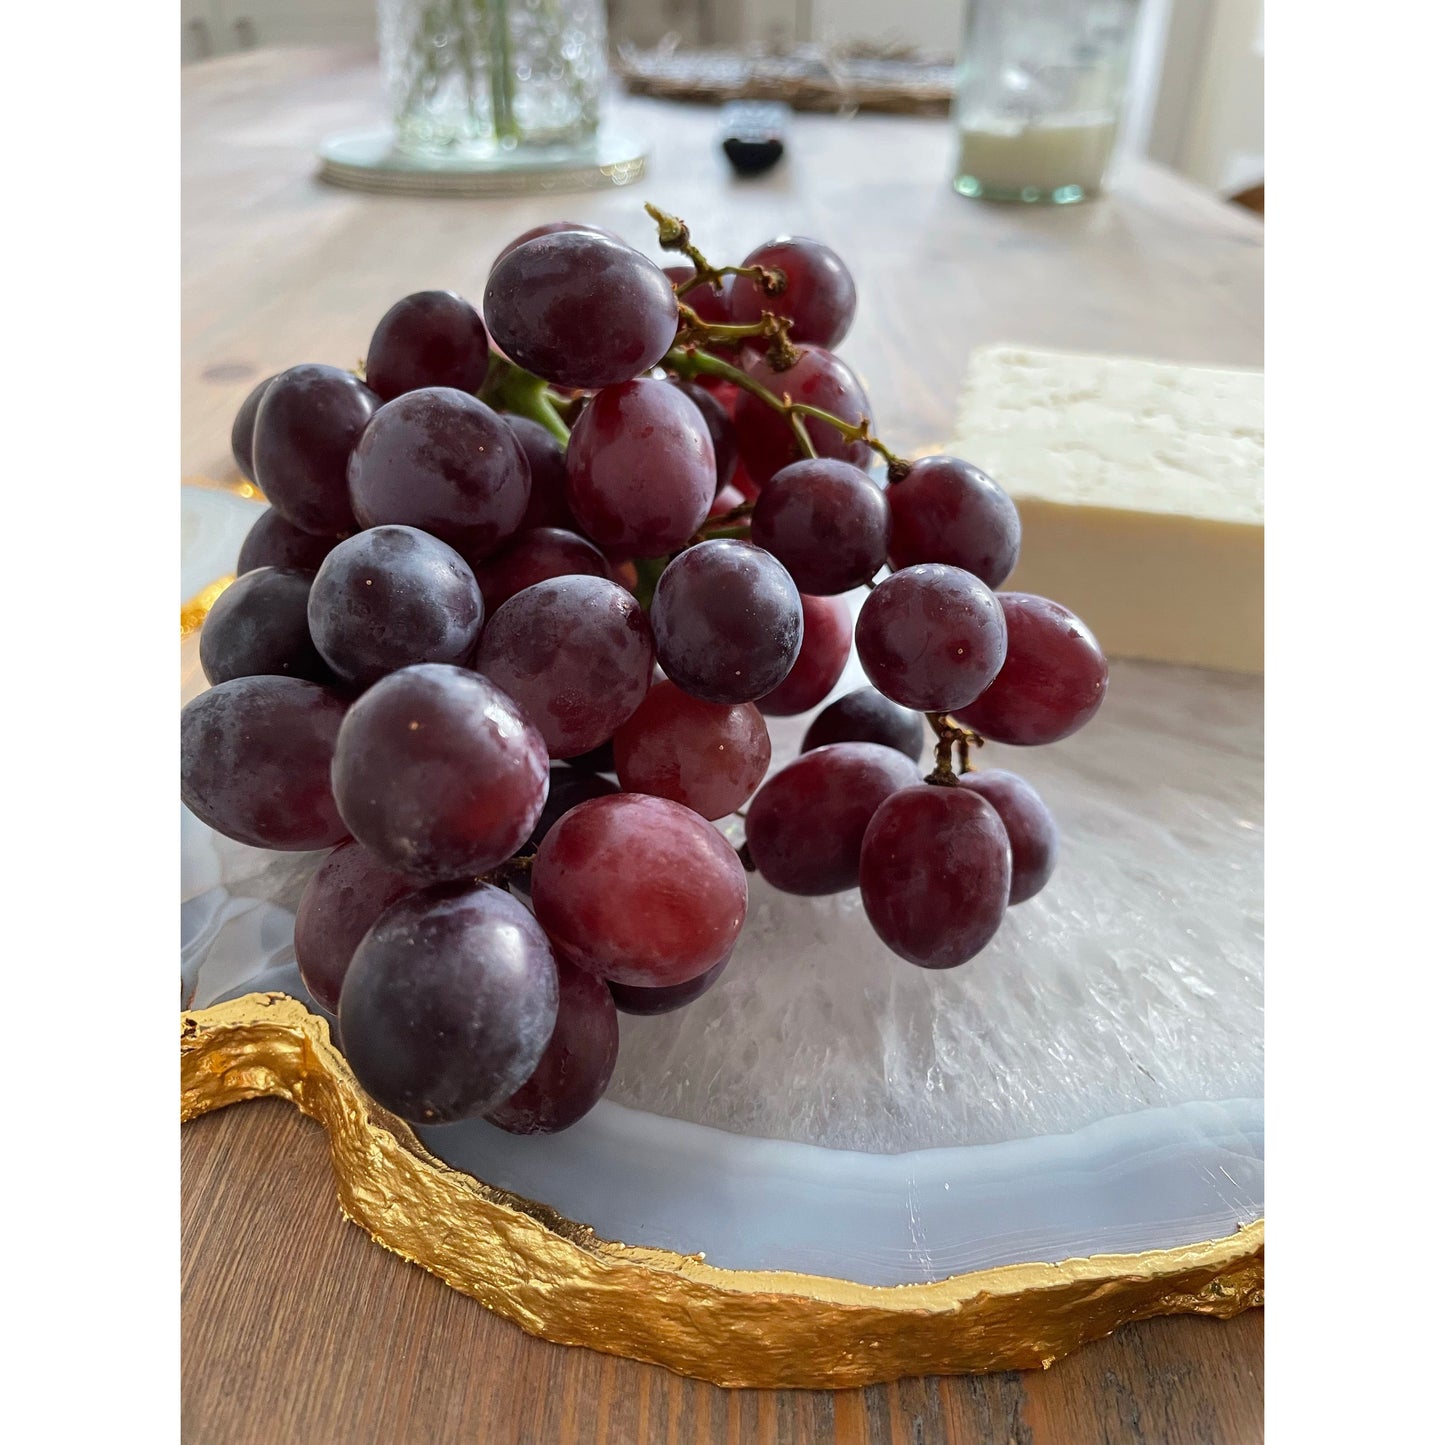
(1196, 98)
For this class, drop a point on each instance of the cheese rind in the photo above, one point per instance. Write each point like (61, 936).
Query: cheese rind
(1140, 486)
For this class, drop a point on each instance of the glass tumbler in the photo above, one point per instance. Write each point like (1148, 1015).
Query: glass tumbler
(1039, 95)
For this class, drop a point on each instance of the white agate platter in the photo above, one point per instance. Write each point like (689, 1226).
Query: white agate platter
(1091, 1083)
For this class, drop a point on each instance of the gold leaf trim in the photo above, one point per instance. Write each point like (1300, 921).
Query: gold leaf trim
(557, 1279)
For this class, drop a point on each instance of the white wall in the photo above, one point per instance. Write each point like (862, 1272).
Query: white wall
(1223, 142)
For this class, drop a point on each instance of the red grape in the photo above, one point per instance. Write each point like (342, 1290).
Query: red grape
(1053, 679)
(728, 621)
(448, 1004)
(579, 309)
(575, 654)
(567, 786)
(709, 302)
(547, 505)
(827, 641)
(931, 637)
(766, 442)
(346, 895)
(719, 428)
(307, 424)
(707, 756)
(743, 481)
(243, 430)
(640, 468)
(866, 716)
(820, 296)
(392, 596)
(946, 510)
(256, 762)
(274, 542)
(935, 874)
(651, 1001)
(575, 1067)
(1032, 834)
(445, 462)
(537, 556)
(430, 338)
(438, 773)
(826, 522)
(552, 228)
(258, 626)
(639, 890)
(805, 827)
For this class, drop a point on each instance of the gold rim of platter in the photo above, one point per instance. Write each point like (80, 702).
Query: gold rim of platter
(558, 1280)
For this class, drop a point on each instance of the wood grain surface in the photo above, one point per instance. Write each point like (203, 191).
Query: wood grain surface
(296, 1328)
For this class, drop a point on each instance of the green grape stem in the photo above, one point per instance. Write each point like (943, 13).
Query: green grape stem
(673, 235)
(509, 388)
(689, 361)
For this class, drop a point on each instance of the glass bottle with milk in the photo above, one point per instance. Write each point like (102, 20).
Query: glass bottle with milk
(1039, 93)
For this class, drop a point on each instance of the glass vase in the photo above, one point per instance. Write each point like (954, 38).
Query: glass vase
(1039, 96)
(479, 79)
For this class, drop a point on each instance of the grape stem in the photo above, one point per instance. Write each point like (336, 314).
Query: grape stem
(504, 873)
(673, 235)
(781, 352)
(951, 734)
(689, 361)
(508, 388)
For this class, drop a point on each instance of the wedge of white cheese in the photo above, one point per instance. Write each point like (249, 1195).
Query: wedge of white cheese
(1140, 485)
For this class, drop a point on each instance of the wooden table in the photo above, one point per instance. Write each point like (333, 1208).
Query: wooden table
(295, 1327)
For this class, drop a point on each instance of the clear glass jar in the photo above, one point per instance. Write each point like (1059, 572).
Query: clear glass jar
(1039, 96)
(482, 78)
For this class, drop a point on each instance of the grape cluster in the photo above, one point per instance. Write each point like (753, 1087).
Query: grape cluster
(601, 529)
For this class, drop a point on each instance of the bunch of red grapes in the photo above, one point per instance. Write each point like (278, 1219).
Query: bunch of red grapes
(603, 528)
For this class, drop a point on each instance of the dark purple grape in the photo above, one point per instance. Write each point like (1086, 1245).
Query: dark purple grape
(274, 542)
(728, 621)
(578, 309)
(640, 468)
(820, 296)
(537, 556)
(866, 716)
(595, 760)
(257, 627)
(1053, 679)
(946, 510)
(552, 228)
(707, 756)
(576, 1065)
(719, 427)
(931, 637)
(709, 302)
(392, 596)
(649, 1002)
(445, 462)
(575, 654)
(547, 462)
(805, 826)
(243, 430)
(827, 641)
(1032, 834)
(346, 895)
(639, 890)
(766, 441)
(934, 874)
(438, 773)
(448, 1004)
(307, 424)
(826, 522)
(430, 338)
(256, 762)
